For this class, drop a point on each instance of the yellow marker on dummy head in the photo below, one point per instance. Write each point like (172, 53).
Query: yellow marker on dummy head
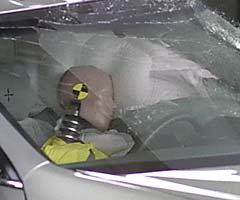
(80, 90)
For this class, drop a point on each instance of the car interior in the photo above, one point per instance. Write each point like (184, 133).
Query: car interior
(173, 93)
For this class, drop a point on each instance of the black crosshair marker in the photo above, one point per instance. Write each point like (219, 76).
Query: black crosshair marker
(9, 94)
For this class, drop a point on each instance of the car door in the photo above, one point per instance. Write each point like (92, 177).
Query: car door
(11, 187)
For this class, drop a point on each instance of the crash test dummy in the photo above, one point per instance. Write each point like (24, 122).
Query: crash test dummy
(86, 96)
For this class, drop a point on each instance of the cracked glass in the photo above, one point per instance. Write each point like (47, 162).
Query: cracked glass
(174, 66)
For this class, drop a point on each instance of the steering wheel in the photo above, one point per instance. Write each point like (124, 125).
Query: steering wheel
(173, 118)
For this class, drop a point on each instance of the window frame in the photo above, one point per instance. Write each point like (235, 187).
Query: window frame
(11, 178)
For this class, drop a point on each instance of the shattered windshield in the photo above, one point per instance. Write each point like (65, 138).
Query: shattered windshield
(125, 82)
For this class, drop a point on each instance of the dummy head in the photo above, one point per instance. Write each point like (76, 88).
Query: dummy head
(97, 94)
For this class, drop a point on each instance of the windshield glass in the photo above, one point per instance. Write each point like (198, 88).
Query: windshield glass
(128, 83)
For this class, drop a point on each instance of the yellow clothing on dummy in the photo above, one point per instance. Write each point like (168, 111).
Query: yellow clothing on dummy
(61, 152)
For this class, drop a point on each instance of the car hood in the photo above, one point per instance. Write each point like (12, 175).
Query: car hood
(216, 183)
(200, 184)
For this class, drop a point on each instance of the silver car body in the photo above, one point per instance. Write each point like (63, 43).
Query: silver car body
(13, 6)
